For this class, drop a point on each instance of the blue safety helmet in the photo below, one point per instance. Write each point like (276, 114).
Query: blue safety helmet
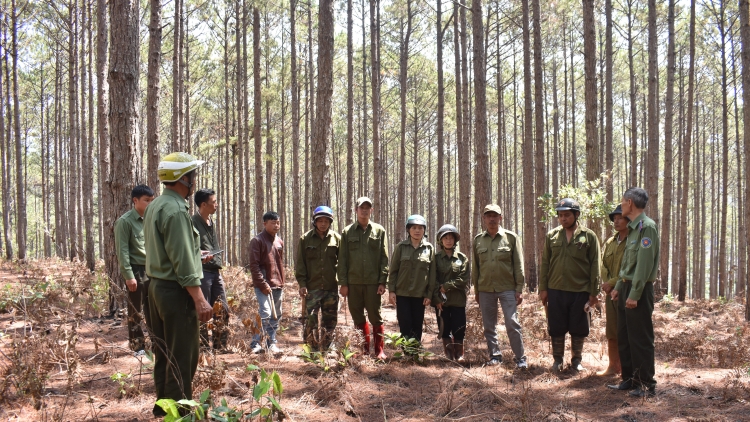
(323, 211)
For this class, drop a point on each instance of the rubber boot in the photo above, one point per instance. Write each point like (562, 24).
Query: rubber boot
(379, 341)
(558, 351)
(577, 351)
(458, 351)
(365, 330)
(614, 359)
(448, 347)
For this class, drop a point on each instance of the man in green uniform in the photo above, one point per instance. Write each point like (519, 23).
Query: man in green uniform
(212, 284)
(635, 295)
(173, 264)
(363, 272)
(498, 276)
(131, 254)
(614, 248)
(568, 282)
(317, 261)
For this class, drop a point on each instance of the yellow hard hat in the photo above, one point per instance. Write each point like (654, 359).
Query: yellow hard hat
(177, 164)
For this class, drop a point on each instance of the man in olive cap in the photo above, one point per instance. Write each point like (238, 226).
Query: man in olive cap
(568, 281)
(363, 273)
(498, 276)
(614, 249)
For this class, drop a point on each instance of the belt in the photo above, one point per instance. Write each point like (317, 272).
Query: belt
(211, 270)
(143, 267)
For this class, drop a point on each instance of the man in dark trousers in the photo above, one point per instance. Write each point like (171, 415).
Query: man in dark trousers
(634, 294)
(131, 254)
(267, 270)
(568, 282)
(173, 264)
(212, 284)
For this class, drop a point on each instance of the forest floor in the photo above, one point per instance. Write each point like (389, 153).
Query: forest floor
(58, 358)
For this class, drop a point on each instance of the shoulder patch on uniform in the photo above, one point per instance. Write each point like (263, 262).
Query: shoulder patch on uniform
(646, 243)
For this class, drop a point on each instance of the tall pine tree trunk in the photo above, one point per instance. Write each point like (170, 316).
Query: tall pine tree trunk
(529, 202)
(349, 199)
(666, 225)
(20, 153)
(540, 181)
(440, 192)
(375, 81)
(744, 10)
(123, 116)
(687, 141)
(152, 94)
(652, 154)
(321, 139)
(608, 98)
(295, 123)
(259, 186)
(589, 58)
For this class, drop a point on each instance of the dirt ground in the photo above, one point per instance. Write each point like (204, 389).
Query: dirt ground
(58, 356)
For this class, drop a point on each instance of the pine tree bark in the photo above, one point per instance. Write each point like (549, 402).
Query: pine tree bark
(722, 273)
(666, 225)
(744, 10)
(123, 119)
(73, 192)
(653, 150)
(529, 202)
(257, 93)
(405, 31)
(321, 139)
(349, 199)
(440, 193)
(589, 59)
(87, 152)
(608, 98)
(20, 179)
(5, 158)
(295, 124)
(633, 105)
(539, 167)
(176, 77)
(375, 96)
(153, 93)
(687, 141)
(479, 55)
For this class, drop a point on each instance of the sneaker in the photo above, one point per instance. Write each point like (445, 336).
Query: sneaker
(139, 353)
(557, 366)
(521, 364)
(576, 366)
(273, 348)
(495, 360)
(256, 348)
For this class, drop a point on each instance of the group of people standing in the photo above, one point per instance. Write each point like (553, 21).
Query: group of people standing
(171, 262)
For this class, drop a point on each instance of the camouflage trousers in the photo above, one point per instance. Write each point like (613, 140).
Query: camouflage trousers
(327, 304)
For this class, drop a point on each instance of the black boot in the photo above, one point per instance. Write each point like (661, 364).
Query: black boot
(577, 351)
(448, 347)
(558, 351)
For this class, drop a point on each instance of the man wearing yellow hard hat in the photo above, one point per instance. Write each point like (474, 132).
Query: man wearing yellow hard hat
(173, 264)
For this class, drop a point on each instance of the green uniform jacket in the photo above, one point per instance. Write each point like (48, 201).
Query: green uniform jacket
(363, 257)
(498, 262)
(317, 260)
(611, 260)
(453, 275)
(209, 241)
(413, 270)
(641, 259)
(570, 266)
(172, 243)
(129, 243)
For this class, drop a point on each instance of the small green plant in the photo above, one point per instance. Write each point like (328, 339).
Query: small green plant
(592, 195)
(667, 299)
(200, 410)
(124, 382)
(266, 393)
(411, 348)
(346, 354)
(315, 357)
(722, 300)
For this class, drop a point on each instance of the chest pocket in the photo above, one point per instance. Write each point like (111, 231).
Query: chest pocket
(504, 253)
(374, 242)
(353, 243)
(311, 252)
(196, 235)
(483, 255)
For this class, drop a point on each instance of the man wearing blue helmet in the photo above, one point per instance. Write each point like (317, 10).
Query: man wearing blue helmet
(317, 262)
